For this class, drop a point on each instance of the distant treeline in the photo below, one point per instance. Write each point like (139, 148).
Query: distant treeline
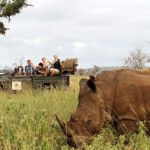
(96, 70)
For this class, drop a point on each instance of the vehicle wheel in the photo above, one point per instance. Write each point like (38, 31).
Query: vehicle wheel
(49, 86)
(1, 88)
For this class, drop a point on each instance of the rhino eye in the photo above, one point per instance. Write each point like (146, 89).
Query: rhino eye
(89, 122)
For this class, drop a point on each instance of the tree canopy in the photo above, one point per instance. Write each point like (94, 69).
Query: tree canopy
(10, 8)
(136, 59)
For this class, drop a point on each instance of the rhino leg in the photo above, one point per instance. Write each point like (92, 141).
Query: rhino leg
(126, 126)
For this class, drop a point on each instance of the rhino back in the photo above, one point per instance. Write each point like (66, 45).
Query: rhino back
(132, 96)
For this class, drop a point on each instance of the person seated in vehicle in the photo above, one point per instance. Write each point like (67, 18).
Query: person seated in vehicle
(19, 70)
(15, 70)
(29, 69)
(57, 64)
(40, 70)
(46, 63)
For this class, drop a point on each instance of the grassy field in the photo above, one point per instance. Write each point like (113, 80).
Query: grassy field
(27, 122)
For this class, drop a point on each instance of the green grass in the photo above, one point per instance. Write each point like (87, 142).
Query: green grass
(27, 122)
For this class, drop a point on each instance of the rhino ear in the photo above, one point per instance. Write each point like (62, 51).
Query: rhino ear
(92, 78)
(91, 83)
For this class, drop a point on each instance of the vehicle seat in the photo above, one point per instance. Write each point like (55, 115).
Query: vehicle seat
(69, 66)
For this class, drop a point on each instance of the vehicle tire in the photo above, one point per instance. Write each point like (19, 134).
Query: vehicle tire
(49, 86)
(1, 88)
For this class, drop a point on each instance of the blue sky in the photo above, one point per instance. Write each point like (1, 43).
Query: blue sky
(97, 32)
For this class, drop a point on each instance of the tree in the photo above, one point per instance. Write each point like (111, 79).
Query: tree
(136, 59)
(16, 64)
(94, 70)
(10, 8)
(81, 72)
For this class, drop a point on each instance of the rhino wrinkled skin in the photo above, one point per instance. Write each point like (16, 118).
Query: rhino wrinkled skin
(121, 97)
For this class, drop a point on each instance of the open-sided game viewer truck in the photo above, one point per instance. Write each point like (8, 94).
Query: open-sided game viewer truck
(19, 81)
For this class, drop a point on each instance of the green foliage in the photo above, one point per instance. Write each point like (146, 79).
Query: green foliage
(27, 122)
(2, 28)
(8, 9)
(11, 8)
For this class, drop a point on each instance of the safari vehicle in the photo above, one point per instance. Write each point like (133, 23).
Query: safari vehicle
(17, 81)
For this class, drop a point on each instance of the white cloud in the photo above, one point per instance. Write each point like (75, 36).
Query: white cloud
(35, 42)
(79, 45)
(97, 32)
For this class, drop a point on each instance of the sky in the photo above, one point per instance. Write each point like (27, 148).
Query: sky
(97, 32)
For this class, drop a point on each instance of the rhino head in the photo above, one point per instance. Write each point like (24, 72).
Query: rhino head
(88, 118)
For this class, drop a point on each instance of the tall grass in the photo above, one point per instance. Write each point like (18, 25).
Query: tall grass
(27, 122)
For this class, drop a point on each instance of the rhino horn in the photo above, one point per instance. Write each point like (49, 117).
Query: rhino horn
(62, 124)
(67, 131)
